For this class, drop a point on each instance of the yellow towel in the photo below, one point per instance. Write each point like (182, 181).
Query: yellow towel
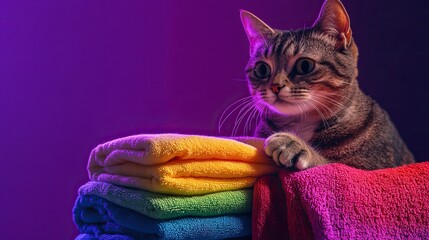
(180, 164)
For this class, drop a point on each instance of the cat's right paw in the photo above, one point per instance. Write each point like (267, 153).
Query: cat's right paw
(288, 150)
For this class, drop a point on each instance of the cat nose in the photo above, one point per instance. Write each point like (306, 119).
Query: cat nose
(276, 88)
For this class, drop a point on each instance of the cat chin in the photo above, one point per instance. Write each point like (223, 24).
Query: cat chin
(287, 109)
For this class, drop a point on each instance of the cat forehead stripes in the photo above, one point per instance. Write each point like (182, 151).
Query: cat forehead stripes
(333, 22)
(287, 44)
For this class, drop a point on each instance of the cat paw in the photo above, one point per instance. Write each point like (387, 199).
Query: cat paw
(288, 150)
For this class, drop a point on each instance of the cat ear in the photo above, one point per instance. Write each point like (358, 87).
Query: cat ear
(334, 20)
(256, 30)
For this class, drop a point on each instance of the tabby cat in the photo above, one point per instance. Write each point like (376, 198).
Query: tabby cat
(313, 111)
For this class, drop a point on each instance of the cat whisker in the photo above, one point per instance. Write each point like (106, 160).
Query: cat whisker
(299, 90)
(257, 115)
(252, 115)
(265, 113)
(241, 114)
(335, 114)
(326, 107)
(333, 101)
(260, 115)
(324, 79)
(245, 109)
(246, 123)
(335, 94)
(235, 105)
(323, 118)
(300, 117)
(300, 95)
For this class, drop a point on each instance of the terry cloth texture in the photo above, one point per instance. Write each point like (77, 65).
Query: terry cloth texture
(160, 206)
(96, 217)
(339, 202)
(180, 164)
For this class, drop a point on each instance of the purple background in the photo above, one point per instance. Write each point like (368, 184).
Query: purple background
(77, 73)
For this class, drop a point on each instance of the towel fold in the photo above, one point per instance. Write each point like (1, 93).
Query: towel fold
(160, 206)
(180, 164)
(339, 202)
(269, 216)
(96, 217)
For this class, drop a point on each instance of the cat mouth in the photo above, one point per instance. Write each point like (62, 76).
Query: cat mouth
(284, 106)
(285, 102)
(281, 101)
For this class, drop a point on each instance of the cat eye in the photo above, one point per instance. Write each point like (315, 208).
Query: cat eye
(304, 66)
(262, 70)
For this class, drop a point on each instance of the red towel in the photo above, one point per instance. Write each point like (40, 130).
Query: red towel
(339, 202)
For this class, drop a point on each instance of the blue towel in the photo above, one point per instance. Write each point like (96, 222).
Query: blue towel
(85, 236)
(98, 218)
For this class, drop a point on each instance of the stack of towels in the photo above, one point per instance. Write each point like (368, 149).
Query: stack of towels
(170, 186)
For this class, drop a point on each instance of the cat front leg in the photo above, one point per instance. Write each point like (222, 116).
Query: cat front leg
(289, 150)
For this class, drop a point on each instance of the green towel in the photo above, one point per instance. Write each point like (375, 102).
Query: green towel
(160, 206)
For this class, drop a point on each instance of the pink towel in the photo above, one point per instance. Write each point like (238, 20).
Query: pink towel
(339, 202)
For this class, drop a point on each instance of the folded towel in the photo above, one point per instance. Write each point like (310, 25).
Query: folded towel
(339, 202)
(97, 217)
(269, 219)
(85, 236)
(180, 164)
(160, 206)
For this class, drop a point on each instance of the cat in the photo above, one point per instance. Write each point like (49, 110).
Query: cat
(304, 83)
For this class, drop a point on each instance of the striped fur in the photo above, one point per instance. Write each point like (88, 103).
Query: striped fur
(320, 117)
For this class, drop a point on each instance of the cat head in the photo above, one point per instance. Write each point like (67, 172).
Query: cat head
(307, 71)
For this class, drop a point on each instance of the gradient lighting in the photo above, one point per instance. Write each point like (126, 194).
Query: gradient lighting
(78, 73)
